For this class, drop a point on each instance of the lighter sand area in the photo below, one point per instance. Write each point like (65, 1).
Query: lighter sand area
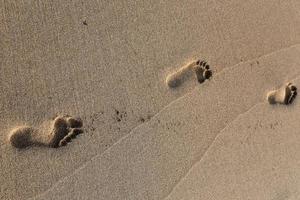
(256, 157)
(151, 160)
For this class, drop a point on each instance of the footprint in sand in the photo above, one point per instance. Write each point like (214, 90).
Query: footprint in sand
(284, 95)
(54, 133)
(201, 69)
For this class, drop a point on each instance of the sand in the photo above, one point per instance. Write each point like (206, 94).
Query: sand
(155, 156)
(107, 63)
(255, 157)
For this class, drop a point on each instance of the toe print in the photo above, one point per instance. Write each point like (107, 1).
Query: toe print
(62, 130)
(74, 122)
(207, 74)
(202, 71)
(291, 94)
(71, 135)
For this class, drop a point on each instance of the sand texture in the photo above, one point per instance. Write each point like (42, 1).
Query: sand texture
(255, 157)
(106, 62)
(155, 156)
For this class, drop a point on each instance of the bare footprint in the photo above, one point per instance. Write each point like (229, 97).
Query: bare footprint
(284, 95)
(201, 69)
(55, 133)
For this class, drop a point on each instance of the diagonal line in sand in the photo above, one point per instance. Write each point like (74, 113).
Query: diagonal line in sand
(295, 78)
(173, 102)
(207, 150)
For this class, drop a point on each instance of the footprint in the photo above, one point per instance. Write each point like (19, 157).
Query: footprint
(284, 95)
(61, 131)
(201, 69)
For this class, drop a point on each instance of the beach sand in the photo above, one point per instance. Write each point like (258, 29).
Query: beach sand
(107, 63)
(155, 156)
(255, 157)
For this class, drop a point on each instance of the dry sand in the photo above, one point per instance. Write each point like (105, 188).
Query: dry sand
(106, 62)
